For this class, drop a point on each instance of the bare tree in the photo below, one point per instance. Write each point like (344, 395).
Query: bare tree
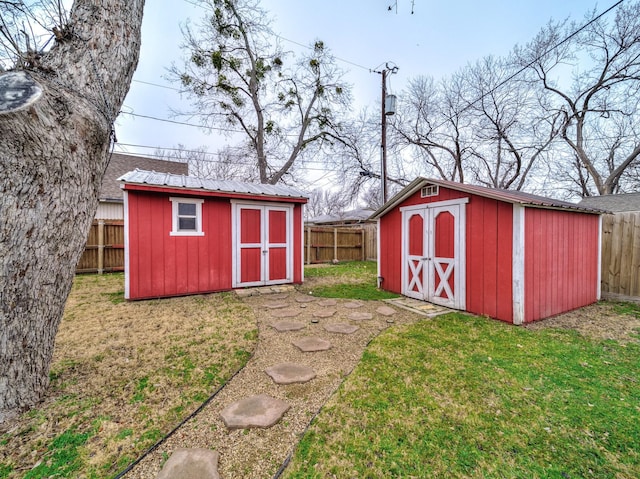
(326, 202)
(432, 120)
(372, 197)
(599, 106)
(26, 28)
(358, 158)
(53, 153)
(238, 77)
(227, 164)
(511, 129)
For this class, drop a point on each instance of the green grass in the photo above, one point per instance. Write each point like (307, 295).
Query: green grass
(125, 373)
(5, 470)
(363, 270)
(630, 309)
(462, 396)
(365, 291)
(62, 457)
(352, 280)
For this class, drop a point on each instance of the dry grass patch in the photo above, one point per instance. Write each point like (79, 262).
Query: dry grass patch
(123, 374)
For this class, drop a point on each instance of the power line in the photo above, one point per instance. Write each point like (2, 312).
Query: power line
(539, 57)
(149, 117)
(158, 85)
(206, 156)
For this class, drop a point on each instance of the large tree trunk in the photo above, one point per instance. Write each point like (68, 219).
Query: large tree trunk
(53, 155)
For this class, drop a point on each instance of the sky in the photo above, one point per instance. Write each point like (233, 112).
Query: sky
(437, 39)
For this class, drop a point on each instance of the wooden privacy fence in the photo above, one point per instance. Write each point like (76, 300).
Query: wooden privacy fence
(327, 243)
(621, 256)
(104, 251)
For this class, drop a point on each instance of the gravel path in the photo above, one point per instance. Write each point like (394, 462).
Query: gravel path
(259, 453)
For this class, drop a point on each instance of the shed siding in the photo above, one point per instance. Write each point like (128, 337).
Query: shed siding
(391, 237)
(390, 251)
(561, 262)
(164, 265)
(489, 254)
(298, 239)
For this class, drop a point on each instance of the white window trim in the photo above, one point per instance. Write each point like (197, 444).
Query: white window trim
(174, 216)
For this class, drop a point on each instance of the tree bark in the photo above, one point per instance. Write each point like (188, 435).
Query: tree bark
(53, 155)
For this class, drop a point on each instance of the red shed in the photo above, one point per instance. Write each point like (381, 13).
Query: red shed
(187, 235)
(504, 254)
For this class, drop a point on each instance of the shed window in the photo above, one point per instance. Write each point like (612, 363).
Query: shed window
(186, 217)
(429, 190)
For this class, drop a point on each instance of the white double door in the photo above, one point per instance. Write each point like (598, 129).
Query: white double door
(263, 244)
(433, 266)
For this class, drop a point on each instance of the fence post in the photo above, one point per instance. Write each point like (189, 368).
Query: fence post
(335, 244)
(308, 244)
(100, 246)
(363, 244)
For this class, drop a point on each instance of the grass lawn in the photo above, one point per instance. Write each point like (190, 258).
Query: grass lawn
(353, 280)
(123, 375)
(462, 396)
(456, 396)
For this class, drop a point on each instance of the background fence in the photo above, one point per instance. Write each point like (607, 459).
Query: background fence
(104, 251)
(327, 243)
(621, 256)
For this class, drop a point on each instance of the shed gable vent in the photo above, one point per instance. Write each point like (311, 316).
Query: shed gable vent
(429, 190)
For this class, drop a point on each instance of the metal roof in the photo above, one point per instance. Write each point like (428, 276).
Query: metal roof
(518, 197)
(184, 182)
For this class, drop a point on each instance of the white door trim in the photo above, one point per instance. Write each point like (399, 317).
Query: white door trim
(236, 208)
(430, 266)
(417, 270)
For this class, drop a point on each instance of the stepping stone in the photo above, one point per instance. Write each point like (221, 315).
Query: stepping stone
(289, 373)
(245, 293)
(386, 311)
(283, 326)
(305, 299)
(353, 305)
(275, 305)
(286, 313)
(341, 328)
(310, 344)
(254, 411)
(191, 464)
(280, 296)
(324, 314)
(357, 316)
(327, 302)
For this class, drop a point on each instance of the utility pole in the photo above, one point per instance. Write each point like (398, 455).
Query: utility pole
(383, 145)
(385, 113)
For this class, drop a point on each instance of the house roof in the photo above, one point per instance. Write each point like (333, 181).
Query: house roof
(121, 164)
(517, 197)
(615, 203)
(361, 214)
(183, 182)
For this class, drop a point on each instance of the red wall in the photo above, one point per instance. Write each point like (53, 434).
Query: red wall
(390, 257)
(163, 265)
(488, 252)
(298, 236)
(561, 257)
(561, 262)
